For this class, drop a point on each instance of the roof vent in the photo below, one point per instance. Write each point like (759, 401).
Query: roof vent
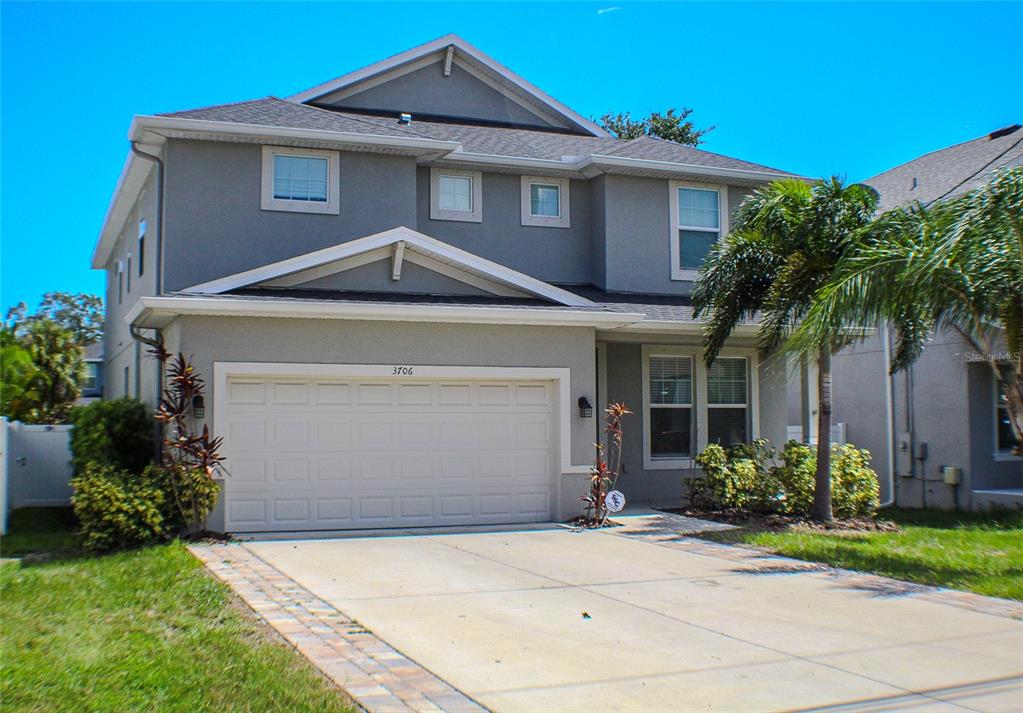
(1004, 132)
(915, 183)
(405, 117)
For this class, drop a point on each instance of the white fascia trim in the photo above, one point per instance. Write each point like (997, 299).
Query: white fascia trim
(680, 327)
(129, 183)
(675, 167)
(514, 161)
(153, 310)
(437, 45)
(424, 243)
(139, 124)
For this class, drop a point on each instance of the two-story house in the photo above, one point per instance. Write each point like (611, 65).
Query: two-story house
(412, 289)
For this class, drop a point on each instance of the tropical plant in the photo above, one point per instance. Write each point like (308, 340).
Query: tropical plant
(59, 371)
(18, 379)
(673, 125)
(786, 241)
(955, 264)
(191, 459)
(607, 466)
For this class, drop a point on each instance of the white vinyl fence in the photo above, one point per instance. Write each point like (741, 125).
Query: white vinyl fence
(35, 467)
(795, 433)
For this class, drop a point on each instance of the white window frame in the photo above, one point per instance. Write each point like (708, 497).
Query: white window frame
(333, 204)
(437, 213)
(744, 406)
(677, 272)
(699, 404)
(562, 220)
(998, 454)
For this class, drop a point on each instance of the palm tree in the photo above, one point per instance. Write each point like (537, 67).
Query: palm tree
(956, 265)
(787, 239)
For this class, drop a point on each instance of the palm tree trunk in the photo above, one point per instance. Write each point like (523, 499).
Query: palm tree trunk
(821, 510)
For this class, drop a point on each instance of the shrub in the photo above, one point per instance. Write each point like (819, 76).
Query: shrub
(796, 476)
(189, 491)
(854, 488)
(116, 508)
(740, 477)
(117, 433)
(749, 478)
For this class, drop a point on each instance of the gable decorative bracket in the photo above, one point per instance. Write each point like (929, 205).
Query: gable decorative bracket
(396, 260)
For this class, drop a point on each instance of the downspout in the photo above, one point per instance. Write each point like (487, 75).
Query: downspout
(155, 342)
(889, 412)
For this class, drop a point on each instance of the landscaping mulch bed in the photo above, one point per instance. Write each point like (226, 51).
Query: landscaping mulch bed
(589, 523)
(778, 522)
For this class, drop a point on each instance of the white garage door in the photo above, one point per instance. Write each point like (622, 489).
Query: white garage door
(329, 453)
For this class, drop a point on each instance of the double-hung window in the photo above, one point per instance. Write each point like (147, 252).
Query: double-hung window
(456, 195)
(300, 180)
(545, 202)
(699, 218)
(1005, 439)
(669, 386)
(728, 401)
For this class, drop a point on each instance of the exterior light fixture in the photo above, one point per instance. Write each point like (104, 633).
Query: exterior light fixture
(585, 407)
(198, 406)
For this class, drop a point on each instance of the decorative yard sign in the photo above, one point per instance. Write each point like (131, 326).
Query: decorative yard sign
(614, 501)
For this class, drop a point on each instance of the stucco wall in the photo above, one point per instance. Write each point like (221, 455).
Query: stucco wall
(551, 254)
(212, 339)
(639, 233)
(428, 91)
(120, 351)
(215, 226)
(625, 384)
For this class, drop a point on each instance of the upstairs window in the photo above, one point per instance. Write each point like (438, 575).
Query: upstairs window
(699, 218)
(1005, 439)
(300, 180)
(456, 195)
(727, 402)
(545, 202)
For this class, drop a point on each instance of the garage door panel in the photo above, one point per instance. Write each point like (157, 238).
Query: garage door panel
(318, 453)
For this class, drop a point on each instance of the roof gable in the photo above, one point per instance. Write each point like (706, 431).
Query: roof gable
(396, 246)
(449, 63)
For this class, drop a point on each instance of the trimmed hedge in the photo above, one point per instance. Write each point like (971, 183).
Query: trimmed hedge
(117, 433)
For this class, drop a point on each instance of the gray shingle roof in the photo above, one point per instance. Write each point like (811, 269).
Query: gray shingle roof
(949, 172)
(491, 140)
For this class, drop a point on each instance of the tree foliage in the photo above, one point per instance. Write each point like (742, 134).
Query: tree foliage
(787, 239)
(673, 125)
(42, 367)
(956, 265)
(79, 313)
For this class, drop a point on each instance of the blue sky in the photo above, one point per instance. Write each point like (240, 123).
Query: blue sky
(815, 88)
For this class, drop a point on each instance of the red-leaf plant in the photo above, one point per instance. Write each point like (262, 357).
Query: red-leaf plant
(606, 467)
(190, 459)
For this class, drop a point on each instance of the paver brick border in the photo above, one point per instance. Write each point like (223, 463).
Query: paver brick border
(376, 676)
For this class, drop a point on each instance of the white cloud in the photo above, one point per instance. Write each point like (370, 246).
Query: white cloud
(605, 10)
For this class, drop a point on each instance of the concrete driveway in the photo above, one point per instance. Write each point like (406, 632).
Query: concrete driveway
(556, 620)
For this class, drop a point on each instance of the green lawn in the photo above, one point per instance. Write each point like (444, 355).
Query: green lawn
(145, 630)
(978, 552)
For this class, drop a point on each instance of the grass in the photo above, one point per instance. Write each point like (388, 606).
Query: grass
(143, 630)
(978, 552)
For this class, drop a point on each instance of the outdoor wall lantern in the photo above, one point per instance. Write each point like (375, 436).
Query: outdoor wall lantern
(585, 408)
(198, 406)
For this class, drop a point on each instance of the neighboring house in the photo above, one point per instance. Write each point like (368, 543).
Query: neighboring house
(92, 387)
(946, 410)
(412, 289)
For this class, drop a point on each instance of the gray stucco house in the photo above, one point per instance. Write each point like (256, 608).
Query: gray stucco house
(946, 411)
(406, 286)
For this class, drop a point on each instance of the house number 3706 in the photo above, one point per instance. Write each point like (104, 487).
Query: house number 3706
(402, 371)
